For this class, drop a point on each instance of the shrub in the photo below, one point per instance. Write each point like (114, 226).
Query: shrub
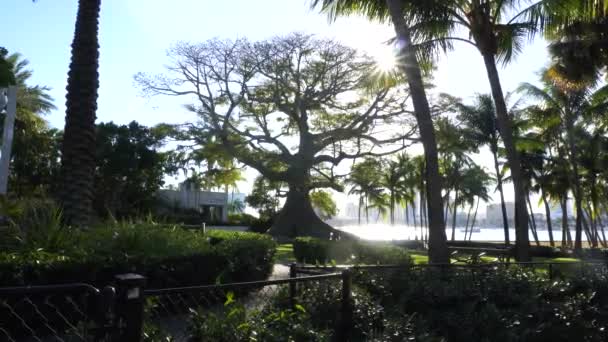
(234, 323)
(167, 256)
(313, 250)
(494, 304)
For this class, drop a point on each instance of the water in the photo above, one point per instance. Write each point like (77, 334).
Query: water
(386, 232)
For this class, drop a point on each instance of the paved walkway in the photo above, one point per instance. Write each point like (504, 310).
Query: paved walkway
(279, 271)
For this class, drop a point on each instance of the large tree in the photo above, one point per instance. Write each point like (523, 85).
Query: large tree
(292, 108)
(408, 65)
(78, 147)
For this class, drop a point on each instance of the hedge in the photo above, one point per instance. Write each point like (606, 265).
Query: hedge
(166, 256)
(316, 251)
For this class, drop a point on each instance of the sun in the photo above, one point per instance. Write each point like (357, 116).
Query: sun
(385, 58)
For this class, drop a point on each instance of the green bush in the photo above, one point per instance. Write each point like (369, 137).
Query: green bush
(167, 256)
(234, 323)
(494, 304)
(317, 251)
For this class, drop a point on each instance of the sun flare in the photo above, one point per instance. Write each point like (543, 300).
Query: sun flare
(385, 58)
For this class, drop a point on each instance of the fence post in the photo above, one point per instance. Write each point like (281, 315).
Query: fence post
(346, 310)
(204, 228)
(292, 285)
(130, 306)
(550, 272)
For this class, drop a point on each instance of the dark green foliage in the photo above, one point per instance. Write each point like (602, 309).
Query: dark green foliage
(313, 250)
(168, 256)
(234, 323)
(494, 304)
(129, 169)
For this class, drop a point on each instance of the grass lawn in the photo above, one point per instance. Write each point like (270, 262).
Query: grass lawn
(284, 254)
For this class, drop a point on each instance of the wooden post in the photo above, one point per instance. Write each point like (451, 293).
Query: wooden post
(346, 310)
(292, 285)
(130, 306)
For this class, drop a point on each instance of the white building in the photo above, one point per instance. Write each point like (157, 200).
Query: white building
(211, 204)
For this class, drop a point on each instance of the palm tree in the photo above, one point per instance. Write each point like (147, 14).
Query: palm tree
(409, 66)
(474, 188)
(78, 148)
(365, 180)
(392, 178)
(571, 107)
(480, 122)
(31, 100)
(498, 40)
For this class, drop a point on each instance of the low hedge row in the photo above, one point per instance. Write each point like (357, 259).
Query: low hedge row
(166, 256)
(316, 251)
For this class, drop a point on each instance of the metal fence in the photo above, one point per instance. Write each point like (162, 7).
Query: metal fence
(169, 312)
(128, 311)
(74, 312)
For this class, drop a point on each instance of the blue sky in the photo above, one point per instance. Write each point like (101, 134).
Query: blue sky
(135, 34)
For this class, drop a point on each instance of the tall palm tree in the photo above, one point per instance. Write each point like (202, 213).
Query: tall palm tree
(498, 39)
(78, 149)
(408, 65)
(480, 122)
(571, 107)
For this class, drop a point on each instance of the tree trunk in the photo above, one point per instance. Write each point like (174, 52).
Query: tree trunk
(78, 147)
(392, 208)
(366, 210)
(532, 221)
(574, 177)
(359, 210)
(466, 226)
(548, 217)
(438, 250)
(454, 211)
(505, 218)
(406, 214)
(446, 208)
(522, 242)
(297, 218)
(474, 220)
(566, 238)
(415, 223)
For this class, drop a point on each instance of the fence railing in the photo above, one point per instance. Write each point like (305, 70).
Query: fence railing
(169, 311)
(128, 311)
(73, 312)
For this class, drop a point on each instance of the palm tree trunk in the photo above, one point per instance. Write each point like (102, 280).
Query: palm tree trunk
(522, 242)
(392, 208)
(588, 233)
(601, 224)
(548, 217)
(454, 210)
(532, 221)
(505, 219)
(438, 251)
(566, 238)
(474, 220)
(447, 208)
(466, 226)
(414, 219)
(78, 148)
(359, 210)
(366, 209)
(576, 191)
